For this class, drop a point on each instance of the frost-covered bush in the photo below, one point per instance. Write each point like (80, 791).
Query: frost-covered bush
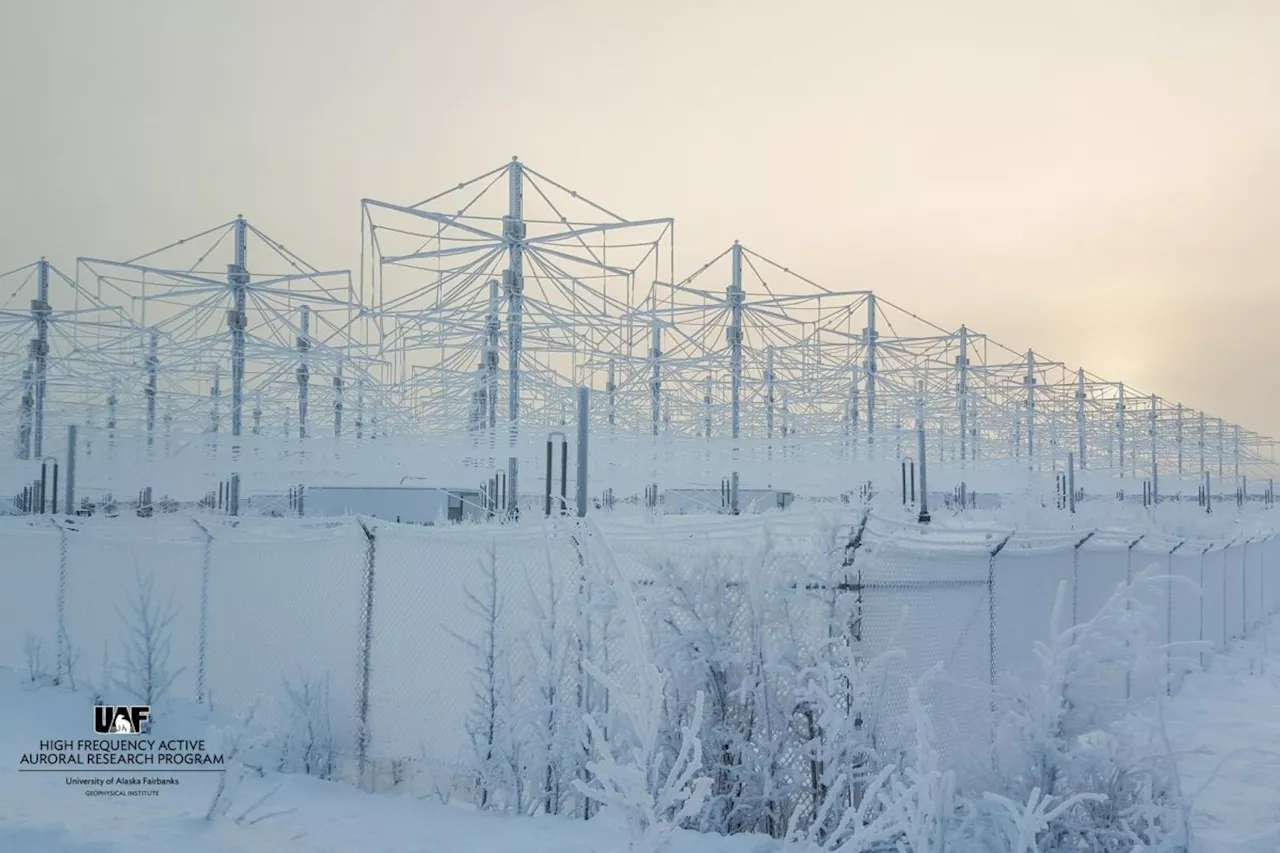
(732, 689)
(1052, 742)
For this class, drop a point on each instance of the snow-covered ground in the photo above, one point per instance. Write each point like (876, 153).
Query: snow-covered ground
(1224, 723)
(41, 813)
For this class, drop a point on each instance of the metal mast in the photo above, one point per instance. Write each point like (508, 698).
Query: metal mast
(337, 402)
(40, 312)
(1120, 428)
(611, 389)
(869, 339)
(215, 393)
(655, 382)
(1151, 433)
(153, 363)
(768, 392)
(1031, 409)
(853, 407)
(238, 278)
(1080, 419)
(735, 338)
(304, 371)
(26, 406)
(1203, 469)
(513, 233)
(1179, 438)
(491, 331)
(706, 408)
(962, 391)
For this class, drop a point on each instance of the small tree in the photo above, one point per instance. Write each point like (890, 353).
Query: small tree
(488, 725)
(308, 745)
(148, 643)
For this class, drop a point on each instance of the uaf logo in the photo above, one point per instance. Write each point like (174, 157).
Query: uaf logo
(120, 719)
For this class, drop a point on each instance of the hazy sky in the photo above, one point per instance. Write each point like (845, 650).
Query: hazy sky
(1097, 180)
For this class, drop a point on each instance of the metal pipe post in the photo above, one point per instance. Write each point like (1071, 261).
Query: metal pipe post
(71, 469)
(304, 369)
(584, 408)
(238, 279)
(40, 312)
(736, 299)
(513, 234)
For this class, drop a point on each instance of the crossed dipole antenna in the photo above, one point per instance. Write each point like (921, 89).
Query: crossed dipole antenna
(60, 346)
(232, 311)
(510, 267)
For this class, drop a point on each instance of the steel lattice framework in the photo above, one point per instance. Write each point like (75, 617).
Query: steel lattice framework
(477, 311)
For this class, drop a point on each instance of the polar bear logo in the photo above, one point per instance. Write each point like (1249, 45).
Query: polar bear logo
(121, 725)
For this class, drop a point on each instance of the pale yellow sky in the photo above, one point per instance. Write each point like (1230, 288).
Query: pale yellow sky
(1097, 180)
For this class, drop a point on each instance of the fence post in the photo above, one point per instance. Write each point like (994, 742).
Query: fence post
(202, 639)
(1203, 553)
(366, 646)
(1168, 624)
(1128, 579)
(64, 646)
(991, 638)
(1075, 578)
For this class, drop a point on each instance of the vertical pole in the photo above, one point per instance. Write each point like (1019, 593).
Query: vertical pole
(736, 299)
(304, 369)
(1081, 438)
(215, 392)
(337, 402)
(924, 483)
(1178, 437)
(53, 503)
(71, 470)
(513, 233)
(1203, 467)
(1222, 443)
(1153, 438)
(492, 330)
(962, 364)
(25, 413)
(1071, 481)
(238, 279)
(513, 473)
(853, 407)
(768, 393)
(564, 475)
(366, 653)
(655, 382)
(153, 363)
(64, 645)
(706, 409)
(206, 562)
(547, 493)
(40, 312)
(1031, 409)
(733, 493)
(584, 409)
(611, 389)
(44, 484)
(359, 408)
(870, 335)
(1237, 453)
(1120, 428)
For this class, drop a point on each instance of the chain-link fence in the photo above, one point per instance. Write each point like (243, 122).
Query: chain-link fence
(463, 658)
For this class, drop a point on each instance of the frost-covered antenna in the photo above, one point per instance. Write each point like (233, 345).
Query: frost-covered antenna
(568, 271)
